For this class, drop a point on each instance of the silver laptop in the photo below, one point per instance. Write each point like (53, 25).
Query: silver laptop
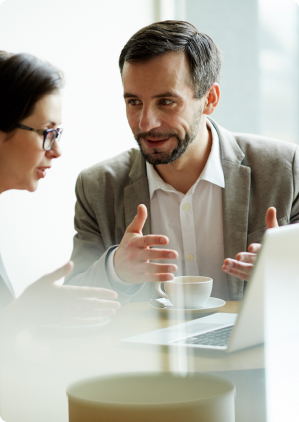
(231, 332)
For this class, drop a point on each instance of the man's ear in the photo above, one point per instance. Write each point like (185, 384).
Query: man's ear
(211, 98)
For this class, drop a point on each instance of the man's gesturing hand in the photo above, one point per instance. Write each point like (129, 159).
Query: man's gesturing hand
(132, 257)
(241, 267)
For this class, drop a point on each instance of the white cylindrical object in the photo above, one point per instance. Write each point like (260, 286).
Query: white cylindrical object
(152, 397)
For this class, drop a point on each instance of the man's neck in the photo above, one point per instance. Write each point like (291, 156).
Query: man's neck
(183, 173)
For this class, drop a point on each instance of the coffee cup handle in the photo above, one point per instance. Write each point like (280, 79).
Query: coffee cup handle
(159, 289)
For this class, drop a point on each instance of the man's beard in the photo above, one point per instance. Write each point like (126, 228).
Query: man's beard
(157, 157)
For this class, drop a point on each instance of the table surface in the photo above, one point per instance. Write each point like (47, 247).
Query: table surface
(137, 318)
(53, 360)
(101, 346)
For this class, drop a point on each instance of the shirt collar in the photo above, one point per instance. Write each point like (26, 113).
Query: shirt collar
(212, 171)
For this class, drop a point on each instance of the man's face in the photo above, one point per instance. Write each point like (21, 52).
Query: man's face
(161, 109)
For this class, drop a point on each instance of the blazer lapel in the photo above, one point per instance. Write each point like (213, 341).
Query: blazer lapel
(137, 193)
(235, 204)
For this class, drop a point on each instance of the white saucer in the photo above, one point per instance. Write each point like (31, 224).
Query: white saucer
(164, 305)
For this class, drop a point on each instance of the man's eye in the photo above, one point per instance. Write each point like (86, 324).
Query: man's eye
(134, 102)
(165, 101)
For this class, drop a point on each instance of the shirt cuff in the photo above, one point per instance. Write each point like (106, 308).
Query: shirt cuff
(115, 281)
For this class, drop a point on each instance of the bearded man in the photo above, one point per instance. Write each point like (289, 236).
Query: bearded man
(201, 192)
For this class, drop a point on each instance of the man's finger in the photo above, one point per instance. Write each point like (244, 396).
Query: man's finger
(271, 220)
(233, 263)
(153, 278)
(155, 254)
(254, 247)
(151, 240)
(237, 269)
(231, 266)
(247, 257)
(137, 224)
(239, 274)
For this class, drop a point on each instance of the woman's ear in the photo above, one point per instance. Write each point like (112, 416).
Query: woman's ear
(212, 97)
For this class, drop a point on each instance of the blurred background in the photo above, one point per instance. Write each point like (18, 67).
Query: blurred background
(259, 44)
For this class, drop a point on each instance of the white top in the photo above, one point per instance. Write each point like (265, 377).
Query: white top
(6, 289)
(193, 223)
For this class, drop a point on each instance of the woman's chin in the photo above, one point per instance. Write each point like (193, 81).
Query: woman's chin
(31, 187)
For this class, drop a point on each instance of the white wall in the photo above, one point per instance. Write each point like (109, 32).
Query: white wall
(259, 81)
(84, 39)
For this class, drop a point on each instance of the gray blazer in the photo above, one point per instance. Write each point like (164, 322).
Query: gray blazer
(258, 172)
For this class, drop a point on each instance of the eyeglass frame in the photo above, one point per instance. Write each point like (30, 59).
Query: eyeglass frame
(44, 133)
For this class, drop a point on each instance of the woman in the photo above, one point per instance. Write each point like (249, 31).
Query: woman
(30, 116)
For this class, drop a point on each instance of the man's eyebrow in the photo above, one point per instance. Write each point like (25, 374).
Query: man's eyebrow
(164, 94)
(129, 95)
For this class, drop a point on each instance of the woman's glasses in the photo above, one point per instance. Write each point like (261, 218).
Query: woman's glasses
(49, 135)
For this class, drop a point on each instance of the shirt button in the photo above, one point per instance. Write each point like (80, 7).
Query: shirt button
(190, 257)
(185, 207)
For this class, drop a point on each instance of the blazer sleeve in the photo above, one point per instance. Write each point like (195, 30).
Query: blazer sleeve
(90, 254)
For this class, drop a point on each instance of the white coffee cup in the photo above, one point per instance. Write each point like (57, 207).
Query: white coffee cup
(187, 292)
(150, 397)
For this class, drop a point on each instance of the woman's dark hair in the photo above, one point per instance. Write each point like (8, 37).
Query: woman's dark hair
(162, 37)
(24, 79)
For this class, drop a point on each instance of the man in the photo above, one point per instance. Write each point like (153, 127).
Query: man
(199, 189)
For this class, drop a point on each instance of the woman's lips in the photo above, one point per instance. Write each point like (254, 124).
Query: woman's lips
(155, 143)
(42, 172)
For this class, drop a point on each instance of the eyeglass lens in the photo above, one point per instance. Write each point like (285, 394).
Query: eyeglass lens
(50, 138)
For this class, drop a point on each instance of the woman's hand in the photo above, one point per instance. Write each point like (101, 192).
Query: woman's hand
(47, 303)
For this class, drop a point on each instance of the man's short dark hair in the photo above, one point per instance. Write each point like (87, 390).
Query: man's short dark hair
(163, 37)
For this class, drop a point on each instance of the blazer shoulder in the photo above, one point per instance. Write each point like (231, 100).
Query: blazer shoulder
(266, 150)
(116, 169)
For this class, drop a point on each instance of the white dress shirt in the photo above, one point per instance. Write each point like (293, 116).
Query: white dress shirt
(193, 223)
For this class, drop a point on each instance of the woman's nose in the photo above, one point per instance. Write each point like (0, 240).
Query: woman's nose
(55, 151)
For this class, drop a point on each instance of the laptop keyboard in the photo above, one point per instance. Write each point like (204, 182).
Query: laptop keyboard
(213, 338)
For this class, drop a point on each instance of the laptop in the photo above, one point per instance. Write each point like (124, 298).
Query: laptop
(232, 332)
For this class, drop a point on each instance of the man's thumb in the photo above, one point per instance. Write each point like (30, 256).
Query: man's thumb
(137, 224)
(271, 220)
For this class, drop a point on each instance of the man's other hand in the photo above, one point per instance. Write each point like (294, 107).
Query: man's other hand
(132, 259)
(242, 265)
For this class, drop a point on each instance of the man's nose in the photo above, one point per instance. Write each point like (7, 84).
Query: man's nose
(55, 151)
(149, 119)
